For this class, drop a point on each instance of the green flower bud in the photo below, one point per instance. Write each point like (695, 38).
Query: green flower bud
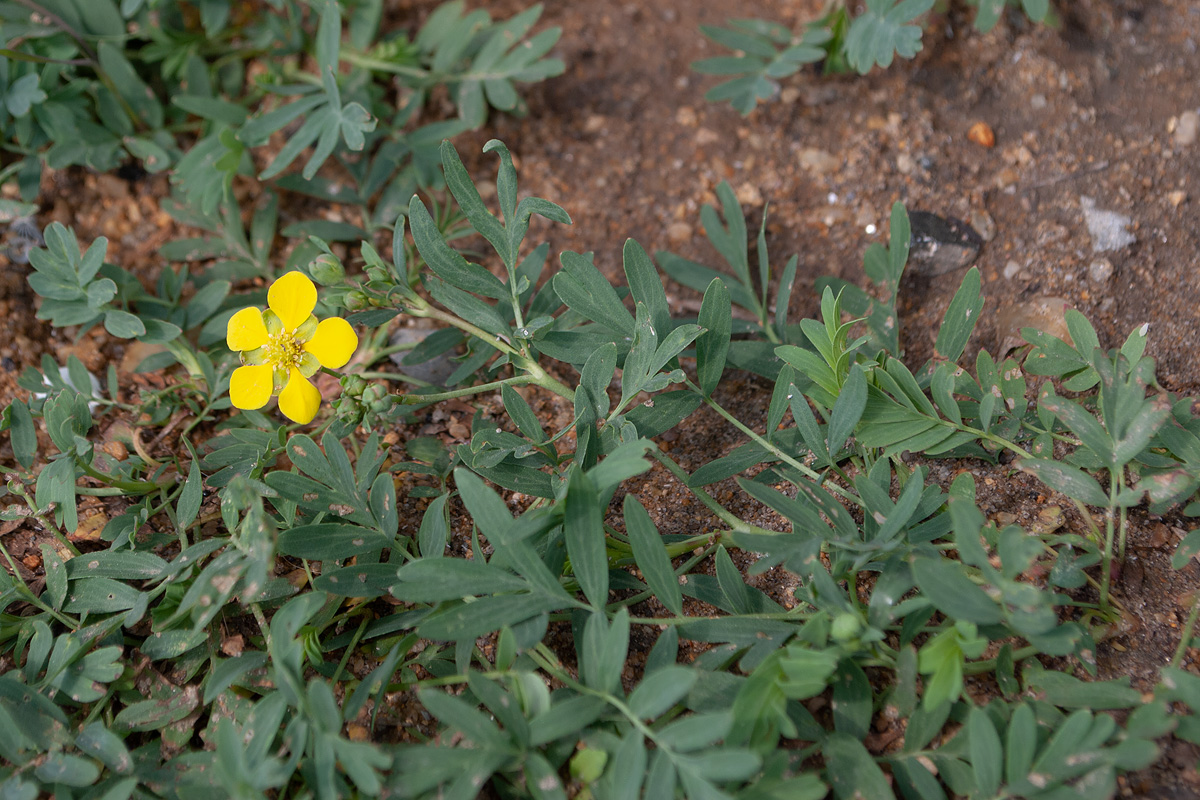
(357, 301)
(327, 270)
(587, 765)
(353, 385)
(377, 273)
(373, 393)
(846, 626)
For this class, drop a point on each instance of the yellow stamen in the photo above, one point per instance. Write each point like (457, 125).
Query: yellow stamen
(284, 350)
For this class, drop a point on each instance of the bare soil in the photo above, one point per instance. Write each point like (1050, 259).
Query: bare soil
(627, 144)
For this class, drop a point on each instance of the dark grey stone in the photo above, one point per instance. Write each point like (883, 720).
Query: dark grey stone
(941, 244)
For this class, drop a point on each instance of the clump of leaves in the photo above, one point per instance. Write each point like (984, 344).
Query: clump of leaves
(765, 52)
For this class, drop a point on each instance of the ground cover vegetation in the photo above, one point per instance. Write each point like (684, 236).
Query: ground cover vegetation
(119, 677)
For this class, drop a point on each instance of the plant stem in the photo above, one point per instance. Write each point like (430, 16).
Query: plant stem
(732, 520)
(774, 450)
(1106, 563)
(130, 487)
(1188, 627)
(469, 391)
(380, 65)
(983, 667)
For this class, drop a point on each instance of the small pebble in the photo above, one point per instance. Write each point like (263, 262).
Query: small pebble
(818, 162)
(905, 164)
(1187, 129)
(1011, 269)
(982, 134)
(1038, 102)
(1100, 271)
(748, 195)
(984, 225)
(679, 232)
(1176, 198)
(1107, 228)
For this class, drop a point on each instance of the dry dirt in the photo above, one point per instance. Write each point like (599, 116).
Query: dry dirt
(627, 144)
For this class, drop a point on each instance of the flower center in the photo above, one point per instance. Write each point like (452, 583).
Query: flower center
(284, 350)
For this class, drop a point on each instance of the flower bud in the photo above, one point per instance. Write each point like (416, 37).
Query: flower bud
(353, 385)
(357, 301)
(846, 626)
(377, 274)
(587, 765)
(327, 270)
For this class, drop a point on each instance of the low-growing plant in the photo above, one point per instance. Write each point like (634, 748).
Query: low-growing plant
(765, 52)
(262, 593)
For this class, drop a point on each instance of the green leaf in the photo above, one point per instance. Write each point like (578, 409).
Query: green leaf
(226, 673)
(155, 714)
(330, 541)
(360, 580)
(67, 769)
(212, 108)
(22, 432)
(961, 317)
(460, 715)
(947, 586)
(435, 528)
(660, 690)
(852, 700)
(101, 596)
(847, 410)
(583, 527)
(1022, 743)
(140, 99)
(487, 509)
(521, 414)
(123, 325)
(458, 180)
(1073, 482)
(133, 565)
(426, 581)
(584, 289)
(986, 751)
(23, 94)
(883, 31)
(712, 346)
(188, 505)
(1186, 550)
(603, 649)
(1068, 691)
(852, 771)
(651, 556)
(56, 576)
(699, 277)
(446, 262)
(105, 746)
(646, 286)
(591, 397)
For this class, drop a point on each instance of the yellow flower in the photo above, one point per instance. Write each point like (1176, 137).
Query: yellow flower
(283, 347)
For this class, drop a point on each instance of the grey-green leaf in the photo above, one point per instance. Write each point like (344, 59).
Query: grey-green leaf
(651, 556)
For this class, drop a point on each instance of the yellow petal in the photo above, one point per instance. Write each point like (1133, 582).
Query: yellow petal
(250, 387)
(299, 400)
(246, 330)
(333, 343)
(293, 297)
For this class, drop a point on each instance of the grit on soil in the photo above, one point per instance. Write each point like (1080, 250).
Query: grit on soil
(1100, 111)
